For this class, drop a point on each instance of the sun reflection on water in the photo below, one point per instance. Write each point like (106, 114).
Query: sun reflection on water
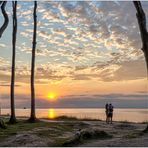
(51, 113)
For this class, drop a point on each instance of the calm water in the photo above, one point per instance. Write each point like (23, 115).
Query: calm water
(134, 115)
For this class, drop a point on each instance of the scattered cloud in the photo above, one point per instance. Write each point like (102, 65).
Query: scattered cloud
(77, 41)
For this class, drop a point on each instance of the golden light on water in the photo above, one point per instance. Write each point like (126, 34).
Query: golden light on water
(51, 113)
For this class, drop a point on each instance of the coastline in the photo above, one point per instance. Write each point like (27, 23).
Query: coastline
(132, 115)
(73, 132)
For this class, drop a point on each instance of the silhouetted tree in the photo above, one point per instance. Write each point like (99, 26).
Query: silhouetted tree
(2, 29)
(33, 116)
(12, 117)
(143, 30)
(144, 34)
(6, 19)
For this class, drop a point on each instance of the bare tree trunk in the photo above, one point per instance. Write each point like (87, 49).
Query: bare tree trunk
(144, 34)
(2, 29)
(6, 19)
(143, 30)
(13, 118)
(33, 116)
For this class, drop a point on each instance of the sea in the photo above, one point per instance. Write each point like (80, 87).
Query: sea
(126, 114)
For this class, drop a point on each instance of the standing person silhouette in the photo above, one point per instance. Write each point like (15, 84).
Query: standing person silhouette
(110, 113)
(106, 111)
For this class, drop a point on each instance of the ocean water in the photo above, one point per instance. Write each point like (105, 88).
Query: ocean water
(133, 115)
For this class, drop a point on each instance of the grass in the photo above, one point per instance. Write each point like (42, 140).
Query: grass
(59, 132)
(70, 118)
(135, 134)
(125, 121)
(63, 133)
(21, 125)
(55, 130)
(65, 118)
(144, 122)
(49, 130)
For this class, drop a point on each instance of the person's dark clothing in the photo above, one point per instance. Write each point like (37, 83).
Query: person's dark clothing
(110, 111)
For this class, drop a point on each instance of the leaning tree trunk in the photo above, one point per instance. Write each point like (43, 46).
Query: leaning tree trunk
(12, 117)
(6, 19)
(144, 34)
(143, 30)
(33, 116)
(2, 29)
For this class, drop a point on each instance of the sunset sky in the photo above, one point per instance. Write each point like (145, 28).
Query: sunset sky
(88, 53)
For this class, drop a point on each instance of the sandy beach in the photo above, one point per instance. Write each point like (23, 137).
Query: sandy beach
(74, 133)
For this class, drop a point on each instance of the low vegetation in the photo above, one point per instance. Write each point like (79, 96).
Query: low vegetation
(65, 131)
(21, 125)
(134, 134)
(60, 133)
(2, 124)
(71, 118)
(84, 135)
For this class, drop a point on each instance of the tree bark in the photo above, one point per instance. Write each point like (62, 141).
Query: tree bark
(144, 34)
(2, 29)
(12, 117)
(6, 19)
(33, 115)
(143, 30)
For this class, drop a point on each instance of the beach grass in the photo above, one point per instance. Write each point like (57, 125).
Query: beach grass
(68, 131)
(71, 118)
(21, 125)
(52, 130)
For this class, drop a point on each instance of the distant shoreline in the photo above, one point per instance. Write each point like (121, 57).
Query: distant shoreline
(72, 118)
(131, 115)
(80, 108)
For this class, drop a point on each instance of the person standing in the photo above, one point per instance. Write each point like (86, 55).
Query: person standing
(110, 113)
(106, 111)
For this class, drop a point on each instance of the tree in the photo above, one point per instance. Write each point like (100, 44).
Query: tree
(6, 19)
(2, 29)
(33, 116)
(143, 30)
(12, 117)
(144, 34)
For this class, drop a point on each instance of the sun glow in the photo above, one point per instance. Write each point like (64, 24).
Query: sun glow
(51, 96)
(51, 113)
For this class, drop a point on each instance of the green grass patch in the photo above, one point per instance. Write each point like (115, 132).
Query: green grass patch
(71, 118)
(134, 134)
(22, 125)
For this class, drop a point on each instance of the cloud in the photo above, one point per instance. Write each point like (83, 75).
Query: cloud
(82, 101)
(77, 41)
(8, 85)
(128, 70)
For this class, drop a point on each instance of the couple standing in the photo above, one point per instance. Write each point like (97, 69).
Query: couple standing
(109, 112)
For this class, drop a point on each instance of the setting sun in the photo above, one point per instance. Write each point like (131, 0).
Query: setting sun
(51, 96)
